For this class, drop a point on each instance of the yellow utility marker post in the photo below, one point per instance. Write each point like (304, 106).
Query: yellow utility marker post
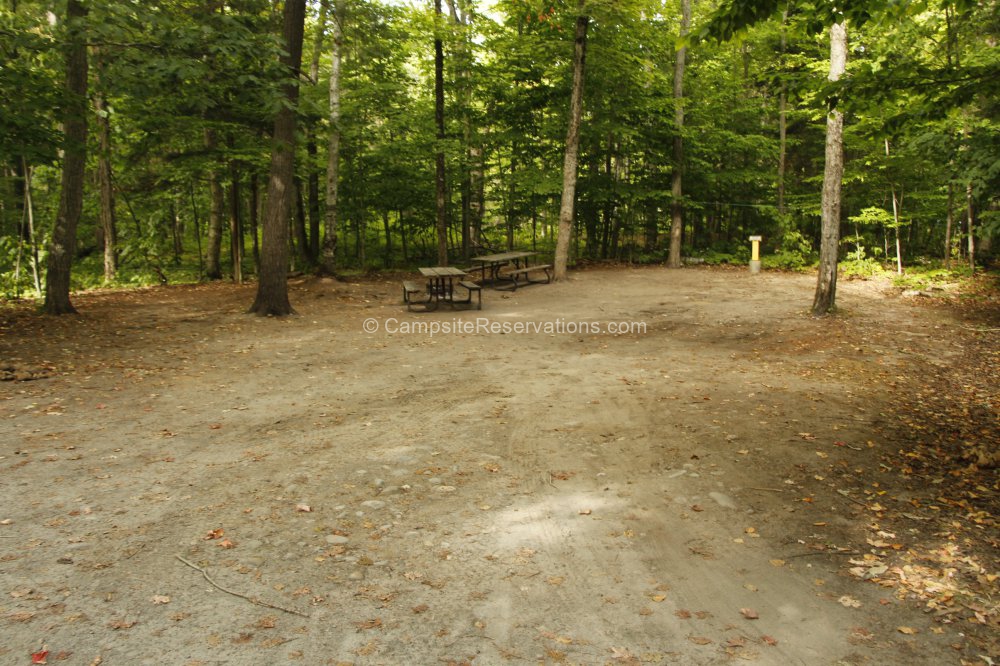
(755, 254)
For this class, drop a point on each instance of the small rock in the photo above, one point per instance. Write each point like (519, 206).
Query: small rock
(373, 504)
(336, 539)
(445, 489)
(723, 500)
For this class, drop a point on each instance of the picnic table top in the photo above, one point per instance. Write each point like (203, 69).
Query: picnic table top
(441, 271)
(502, 256)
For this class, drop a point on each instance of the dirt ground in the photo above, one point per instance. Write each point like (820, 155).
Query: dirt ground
(186, 484)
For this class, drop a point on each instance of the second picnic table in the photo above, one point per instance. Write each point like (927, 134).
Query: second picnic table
(492, 263)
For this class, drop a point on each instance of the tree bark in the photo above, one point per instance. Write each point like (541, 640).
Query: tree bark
(571, 158)
(329, 259)
(311, 150)
(216, 211)
(833, 173)
(235, 224)
(676, 204)
(272, 287)
(949, 224)
(972, 237)
(62, 247)
(782, 124)
(439, 164)
(105, 181)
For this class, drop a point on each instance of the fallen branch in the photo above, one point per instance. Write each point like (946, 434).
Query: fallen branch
(252, 600)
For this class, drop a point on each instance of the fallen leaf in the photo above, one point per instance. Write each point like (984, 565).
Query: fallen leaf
(214, 534)
(699, 640)
(907, 630)
(777, 563)
(749, 614)
(658, 597)
(736, 642)
(227, 544)
(422, 608)
(849, 602)
(585, 512)
(769, 640)
(374, 623)
(39, 657)
(304, 508)
(697, 507)
(160, 599)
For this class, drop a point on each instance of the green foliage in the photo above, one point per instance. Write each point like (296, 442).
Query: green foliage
(929, 278)
(862, 269)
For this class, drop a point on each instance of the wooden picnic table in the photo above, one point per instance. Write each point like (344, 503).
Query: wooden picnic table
(441, 287)
(494, 262)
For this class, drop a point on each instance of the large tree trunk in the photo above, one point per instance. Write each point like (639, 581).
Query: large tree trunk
(63, 244)
(676, 204)
(833, 173)
(571, 157)
(272, 287)
(442, 220)
(329, 258)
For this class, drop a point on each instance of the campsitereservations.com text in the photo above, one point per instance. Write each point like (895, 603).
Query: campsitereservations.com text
(486, 326)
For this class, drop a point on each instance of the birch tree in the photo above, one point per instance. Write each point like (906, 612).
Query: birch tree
(571, 157)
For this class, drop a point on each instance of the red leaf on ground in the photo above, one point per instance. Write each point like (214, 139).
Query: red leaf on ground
(39, 657)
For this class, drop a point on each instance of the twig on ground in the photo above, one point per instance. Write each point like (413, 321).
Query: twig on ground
(824, 552)
(844, 494)
(252, 600)
(771, 490)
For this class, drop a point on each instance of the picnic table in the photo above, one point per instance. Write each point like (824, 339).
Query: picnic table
(440, 286)
(517, 274)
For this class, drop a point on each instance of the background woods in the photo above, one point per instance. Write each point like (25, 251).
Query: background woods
(136, 139)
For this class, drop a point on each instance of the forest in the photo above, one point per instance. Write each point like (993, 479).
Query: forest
(137, 140)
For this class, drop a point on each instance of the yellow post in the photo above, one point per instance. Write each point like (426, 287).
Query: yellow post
(755, 254)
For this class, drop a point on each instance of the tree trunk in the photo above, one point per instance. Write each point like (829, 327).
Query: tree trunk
(329, 259)
(949, 224)
(272, 287)
(972, 237)
(235, 224)
(676, 204)
(833, 173)
(62, 247)
(254, 214)
(217, 199)
(895, 219)
(571, 157)
(782, 125)
(29, 230)
(442, 221)
(300, 232)
(105, 181)
(313, 177)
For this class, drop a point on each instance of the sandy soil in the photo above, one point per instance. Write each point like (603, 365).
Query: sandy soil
(193, 485)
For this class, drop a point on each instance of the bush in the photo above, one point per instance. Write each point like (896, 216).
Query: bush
(862, 269)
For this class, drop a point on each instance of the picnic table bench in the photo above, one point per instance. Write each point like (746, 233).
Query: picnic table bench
(525, 273)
